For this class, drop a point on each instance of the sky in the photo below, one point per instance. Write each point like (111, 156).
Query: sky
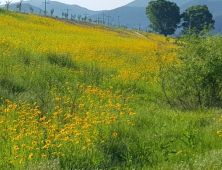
(90, 4)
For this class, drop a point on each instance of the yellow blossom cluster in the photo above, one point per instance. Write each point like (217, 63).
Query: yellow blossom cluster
(80, 116)
(132, 56)
(30, 133)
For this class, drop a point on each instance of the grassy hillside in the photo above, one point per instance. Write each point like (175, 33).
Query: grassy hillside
(89, 97)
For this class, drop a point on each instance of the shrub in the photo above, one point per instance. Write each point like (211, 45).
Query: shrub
(195, 80)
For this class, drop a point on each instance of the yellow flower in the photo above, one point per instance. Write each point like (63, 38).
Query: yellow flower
(122, 113)
(34, 143)
(48, 142)
(6, 110)
(45, 147)
(30, 156)
(43, 155)
(57, 107)
(57, 99)
(16, 148)
(59, 145)
(12, 162)
(218, 132)
(83, 148)
(115, 134)
(50, 137)
(43, 118)
(96, 133)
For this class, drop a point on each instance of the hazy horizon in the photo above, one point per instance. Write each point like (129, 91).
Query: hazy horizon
(95, 5)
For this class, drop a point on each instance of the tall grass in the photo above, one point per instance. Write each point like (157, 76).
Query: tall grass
(72, 99)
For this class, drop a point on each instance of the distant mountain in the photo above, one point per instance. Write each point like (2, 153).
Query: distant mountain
(218, 24)
(57, 6)
(24, 8)
(214, 6)
(144, 3)
(72, 9)
(131, 17)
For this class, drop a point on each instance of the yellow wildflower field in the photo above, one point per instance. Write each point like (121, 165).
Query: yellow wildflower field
(70, 117)
(131, 55)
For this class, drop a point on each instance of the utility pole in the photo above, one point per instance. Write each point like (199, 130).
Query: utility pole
(108, 18)
(118, 20)
(20, 6)
(85, 16)
(45, 6)
(103, 17)
(67, 13)
(112, 22)
(98, 19)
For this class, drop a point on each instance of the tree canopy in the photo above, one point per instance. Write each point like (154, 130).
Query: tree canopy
(164, 16)
(197, 17)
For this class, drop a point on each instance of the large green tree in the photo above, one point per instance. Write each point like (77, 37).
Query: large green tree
(198, 18)
(164, 16)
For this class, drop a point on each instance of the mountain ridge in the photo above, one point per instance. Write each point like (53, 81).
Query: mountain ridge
(132, 15)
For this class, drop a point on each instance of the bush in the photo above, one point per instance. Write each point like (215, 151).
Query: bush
(195, 81)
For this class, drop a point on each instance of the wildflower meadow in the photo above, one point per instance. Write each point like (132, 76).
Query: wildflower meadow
(86, 96)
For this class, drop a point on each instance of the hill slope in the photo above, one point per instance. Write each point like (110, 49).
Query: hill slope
(131, 16)
(77, 95)
(57, 6)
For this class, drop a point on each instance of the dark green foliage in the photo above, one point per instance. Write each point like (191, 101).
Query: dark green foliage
(2, 10)
(197, 17)
(11, 84)
(196, 82)
(62, 61)
(164, 16)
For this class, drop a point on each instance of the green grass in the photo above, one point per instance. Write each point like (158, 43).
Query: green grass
(162, 138)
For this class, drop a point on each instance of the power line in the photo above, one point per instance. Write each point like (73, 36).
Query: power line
(111, 22)
(67, 12)
(103, 17)
(85, 17)
(108, 18)
(98, 19)
(45, 5)
(20, 5)
(118, 20)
